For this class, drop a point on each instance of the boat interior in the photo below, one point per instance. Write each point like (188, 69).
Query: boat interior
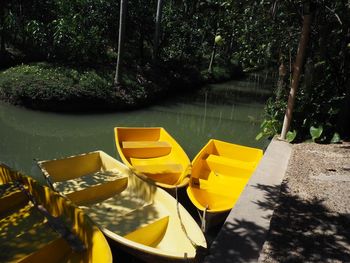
(36, 223)
(152, 152)
(125, 207)
(220, 173)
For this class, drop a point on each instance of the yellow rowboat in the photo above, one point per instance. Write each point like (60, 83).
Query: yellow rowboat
(220, 171)
(139, 217)
(39, 225)
(152, 153)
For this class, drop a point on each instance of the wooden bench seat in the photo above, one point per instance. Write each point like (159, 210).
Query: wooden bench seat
(145, 149)
(11, 197)
(159, 168)
(225, 165)
(82, 194)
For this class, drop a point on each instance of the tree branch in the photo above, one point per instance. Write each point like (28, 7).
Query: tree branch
(336, 15)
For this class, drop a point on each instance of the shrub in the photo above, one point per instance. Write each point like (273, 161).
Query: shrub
(47, 84)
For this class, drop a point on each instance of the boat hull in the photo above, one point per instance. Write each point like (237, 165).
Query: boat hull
(220, 172)
(153, 154)
(138, 217)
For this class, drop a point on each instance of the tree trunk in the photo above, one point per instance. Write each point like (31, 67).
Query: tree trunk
(296, 74)
(141, 44)
(157, 28)
(2, 41)
(229, 48)
(2, 32)
(213, 53)
(122, 15)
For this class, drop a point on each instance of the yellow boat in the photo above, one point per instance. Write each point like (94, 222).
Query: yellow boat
(152, 153)
(220, 171)
(139, 217)
(39, 225)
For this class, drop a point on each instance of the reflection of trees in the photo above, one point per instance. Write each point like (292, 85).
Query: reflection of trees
(48, 124)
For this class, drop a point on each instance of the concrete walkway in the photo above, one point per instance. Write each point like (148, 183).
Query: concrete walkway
(244, 231)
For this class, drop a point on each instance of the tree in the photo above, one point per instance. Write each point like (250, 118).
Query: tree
(157, 28)
(297, 68)
(122, 14)
(2, 27)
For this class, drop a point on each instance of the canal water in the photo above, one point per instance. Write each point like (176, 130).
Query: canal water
(230, 111)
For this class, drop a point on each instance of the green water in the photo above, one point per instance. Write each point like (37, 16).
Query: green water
(26, 135)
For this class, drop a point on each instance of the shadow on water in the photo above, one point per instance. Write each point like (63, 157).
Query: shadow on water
(300, 231)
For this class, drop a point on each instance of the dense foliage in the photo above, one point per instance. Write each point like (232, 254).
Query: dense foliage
(43, 84)
(323, 97)
(198, 41)
(59, 87)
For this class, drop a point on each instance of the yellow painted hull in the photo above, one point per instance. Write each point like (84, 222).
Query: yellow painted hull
(27, 233)
(220, 171)
(139, 217)
(153, 154)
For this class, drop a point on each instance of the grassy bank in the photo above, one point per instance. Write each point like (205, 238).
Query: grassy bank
(57, 87)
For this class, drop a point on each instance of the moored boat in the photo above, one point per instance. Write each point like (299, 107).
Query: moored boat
(154, 154)
(137, 216)
(39, 225)
(220, 171)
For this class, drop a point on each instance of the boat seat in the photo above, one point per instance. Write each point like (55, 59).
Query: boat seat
(224, 185)
(24, 230)
(146, 149)
(151, 234)
(228, 166)
(213, 200)
(96, 193)
(11, 197)
(137, 218)
(169, 168)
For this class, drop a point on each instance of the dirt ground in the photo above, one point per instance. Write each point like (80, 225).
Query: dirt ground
(312, 220)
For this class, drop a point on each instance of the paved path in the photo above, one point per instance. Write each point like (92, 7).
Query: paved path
(244, 231)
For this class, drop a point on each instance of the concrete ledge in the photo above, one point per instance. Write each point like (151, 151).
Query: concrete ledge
(244, 231)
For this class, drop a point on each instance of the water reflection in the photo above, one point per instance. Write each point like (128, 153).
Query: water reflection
(192, 120)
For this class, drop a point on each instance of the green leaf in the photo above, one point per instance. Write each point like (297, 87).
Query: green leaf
(259, 136)
(335, 138)
(263, 124)
(316, 132)
(291, 135)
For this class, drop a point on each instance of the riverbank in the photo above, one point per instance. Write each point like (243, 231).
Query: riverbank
(311, 222)
(56, 87)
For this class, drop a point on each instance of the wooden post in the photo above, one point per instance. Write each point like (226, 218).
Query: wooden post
(122, 15)
(305, 33)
